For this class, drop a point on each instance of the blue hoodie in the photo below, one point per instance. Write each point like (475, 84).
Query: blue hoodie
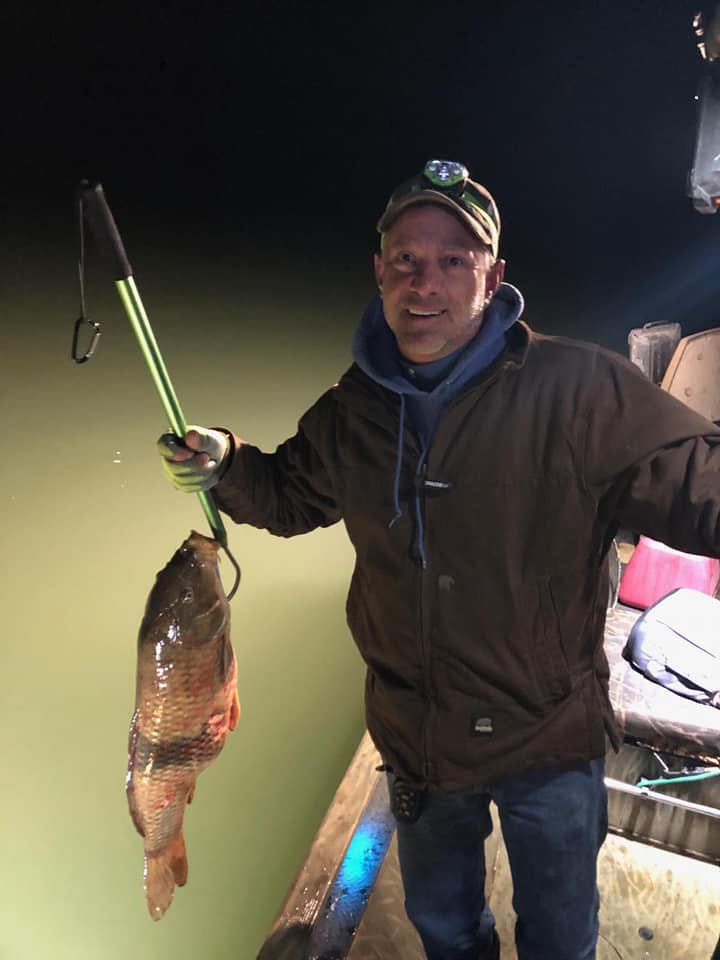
(428, 388)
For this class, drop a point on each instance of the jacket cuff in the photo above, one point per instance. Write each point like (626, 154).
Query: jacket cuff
(233, 444)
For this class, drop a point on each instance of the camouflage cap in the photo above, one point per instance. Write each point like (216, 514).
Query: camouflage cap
(448, 184)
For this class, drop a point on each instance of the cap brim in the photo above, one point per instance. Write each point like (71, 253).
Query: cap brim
(393, 211)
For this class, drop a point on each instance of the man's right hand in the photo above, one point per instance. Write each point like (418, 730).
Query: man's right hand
(197, 462)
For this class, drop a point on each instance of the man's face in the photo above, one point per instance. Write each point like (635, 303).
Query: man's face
(435, 279)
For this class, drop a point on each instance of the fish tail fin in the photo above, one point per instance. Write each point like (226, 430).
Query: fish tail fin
(164, 869)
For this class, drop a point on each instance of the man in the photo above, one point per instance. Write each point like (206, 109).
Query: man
(481, 471)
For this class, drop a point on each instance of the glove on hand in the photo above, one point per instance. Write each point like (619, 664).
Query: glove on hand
(196, 463)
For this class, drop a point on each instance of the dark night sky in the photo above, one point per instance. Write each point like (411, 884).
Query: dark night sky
(578, 115)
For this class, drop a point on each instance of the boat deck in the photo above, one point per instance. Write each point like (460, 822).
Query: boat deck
(658, 876)
(655, 905)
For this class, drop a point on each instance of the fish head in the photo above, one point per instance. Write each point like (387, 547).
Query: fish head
(188, 601)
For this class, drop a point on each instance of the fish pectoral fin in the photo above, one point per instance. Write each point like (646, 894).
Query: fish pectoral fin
(234, 710)
(191, 793)
(164, 869)
(129, 781)
(134, 808)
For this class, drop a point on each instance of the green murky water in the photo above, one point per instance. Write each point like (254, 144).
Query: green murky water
(88, 519)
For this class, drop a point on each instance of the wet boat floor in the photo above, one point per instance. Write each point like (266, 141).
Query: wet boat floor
(655, 905)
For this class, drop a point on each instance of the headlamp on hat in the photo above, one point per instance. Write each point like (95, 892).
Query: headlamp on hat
(446, 174)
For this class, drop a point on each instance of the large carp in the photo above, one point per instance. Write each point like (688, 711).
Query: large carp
(186, 702)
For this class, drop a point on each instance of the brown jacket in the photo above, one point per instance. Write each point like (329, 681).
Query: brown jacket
(490, 659)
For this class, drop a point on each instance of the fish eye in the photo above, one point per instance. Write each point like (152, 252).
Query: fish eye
(186, 596)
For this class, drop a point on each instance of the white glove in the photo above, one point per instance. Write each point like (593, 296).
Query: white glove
(196, 463)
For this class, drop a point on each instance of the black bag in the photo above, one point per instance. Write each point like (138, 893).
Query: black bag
(676, 643)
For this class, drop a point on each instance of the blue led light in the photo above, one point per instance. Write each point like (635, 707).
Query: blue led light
(361, 861)
(352, 885)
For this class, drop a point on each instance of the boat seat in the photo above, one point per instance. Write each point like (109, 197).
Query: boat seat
(650, 715)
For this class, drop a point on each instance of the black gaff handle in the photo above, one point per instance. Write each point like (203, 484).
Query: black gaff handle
(104, 230)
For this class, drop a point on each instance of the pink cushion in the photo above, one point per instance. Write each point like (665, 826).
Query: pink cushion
(655, 569)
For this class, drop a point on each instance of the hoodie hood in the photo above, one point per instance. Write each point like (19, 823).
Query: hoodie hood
(375, 351)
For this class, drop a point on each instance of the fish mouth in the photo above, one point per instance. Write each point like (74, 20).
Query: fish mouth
(200, 546)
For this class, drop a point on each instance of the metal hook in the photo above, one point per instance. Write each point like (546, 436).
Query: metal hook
(93, 343)
(236, 565)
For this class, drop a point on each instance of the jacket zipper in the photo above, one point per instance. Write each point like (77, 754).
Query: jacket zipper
(424, 641)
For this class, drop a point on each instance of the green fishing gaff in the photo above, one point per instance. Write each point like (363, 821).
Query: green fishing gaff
(93, 207)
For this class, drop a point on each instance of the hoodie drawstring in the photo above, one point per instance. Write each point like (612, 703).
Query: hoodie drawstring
(396, 486)
(398, 463)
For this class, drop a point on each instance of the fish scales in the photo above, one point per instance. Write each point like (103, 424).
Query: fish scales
(186, 702)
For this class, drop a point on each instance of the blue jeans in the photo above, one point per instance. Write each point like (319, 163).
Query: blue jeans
(554, 822)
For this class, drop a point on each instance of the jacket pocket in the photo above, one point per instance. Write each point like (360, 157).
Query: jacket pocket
(550, 658)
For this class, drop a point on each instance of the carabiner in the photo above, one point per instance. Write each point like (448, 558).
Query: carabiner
(76, 335)
(83, 318)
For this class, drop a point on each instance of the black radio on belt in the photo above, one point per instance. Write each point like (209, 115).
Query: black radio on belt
(406, 801)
